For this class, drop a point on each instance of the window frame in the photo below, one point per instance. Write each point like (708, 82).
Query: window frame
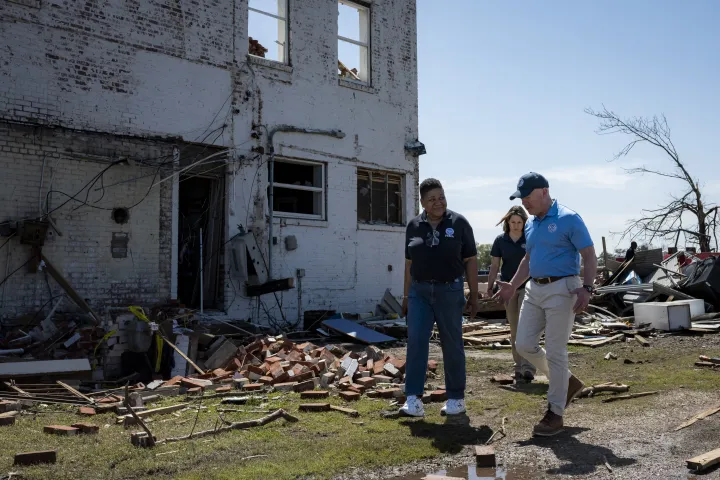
(286, 33)
(365, 28)
(322, 189)
(401, 189)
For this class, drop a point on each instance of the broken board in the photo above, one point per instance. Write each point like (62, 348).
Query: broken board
(44, 367)
(358, 332)
(706, 460)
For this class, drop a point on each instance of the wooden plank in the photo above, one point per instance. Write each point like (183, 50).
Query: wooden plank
(43, 367)
(487, 332)
(154, 411)
(75, 392)
(270, 287)
(11, 386)
(629, 396)
(699, 416)
(68, 288)
(702, 462)
(642, 340)
(187, 359)
(483, 340)
(597, 343)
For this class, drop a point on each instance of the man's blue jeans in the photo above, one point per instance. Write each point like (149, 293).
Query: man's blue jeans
(430, 303)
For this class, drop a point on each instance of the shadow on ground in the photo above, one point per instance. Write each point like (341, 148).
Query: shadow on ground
(578, 458)
(451, 436)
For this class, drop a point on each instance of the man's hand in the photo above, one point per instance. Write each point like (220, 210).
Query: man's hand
(472, 305)
(505, 293)
(583, 299)
(404, 307)
(489, 292)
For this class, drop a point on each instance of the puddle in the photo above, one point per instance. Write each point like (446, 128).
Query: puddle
(471, 472)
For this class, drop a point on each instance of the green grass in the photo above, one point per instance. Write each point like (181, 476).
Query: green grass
(322, 445)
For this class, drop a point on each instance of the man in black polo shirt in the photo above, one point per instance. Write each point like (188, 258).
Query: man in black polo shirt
(439, 250)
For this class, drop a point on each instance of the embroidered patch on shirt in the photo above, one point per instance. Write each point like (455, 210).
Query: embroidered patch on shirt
(449, 233)
(552, 228)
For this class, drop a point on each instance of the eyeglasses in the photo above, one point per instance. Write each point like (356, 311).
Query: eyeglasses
(434, 240)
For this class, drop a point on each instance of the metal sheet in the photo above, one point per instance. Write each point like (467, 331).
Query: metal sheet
(358, 332)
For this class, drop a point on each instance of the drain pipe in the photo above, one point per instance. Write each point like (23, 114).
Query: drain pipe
(271, 176)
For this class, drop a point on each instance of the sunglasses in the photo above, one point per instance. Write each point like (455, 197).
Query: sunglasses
(434, 240)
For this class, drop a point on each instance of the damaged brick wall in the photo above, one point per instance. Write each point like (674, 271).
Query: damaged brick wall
(83, 252)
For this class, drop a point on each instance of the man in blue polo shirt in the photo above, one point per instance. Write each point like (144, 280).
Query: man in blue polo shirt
(556, 238)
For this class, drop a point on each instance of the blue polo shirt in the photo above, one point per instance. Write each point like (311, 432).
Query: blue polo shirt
(554, 242)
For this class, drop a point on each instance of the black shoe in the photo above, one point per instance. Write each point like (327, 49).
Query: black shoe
(528, 377)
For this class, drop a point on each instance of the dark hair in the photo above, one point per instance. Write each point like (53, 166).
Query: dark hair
(429, 184)
(516, 210)
(633, 245)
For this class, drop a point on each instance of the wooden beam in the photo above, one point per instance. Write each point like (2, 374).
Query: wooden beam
(187, 359)
(75, 392)
(699, 416)
(701, 462)
(68, 288)
(270, 287)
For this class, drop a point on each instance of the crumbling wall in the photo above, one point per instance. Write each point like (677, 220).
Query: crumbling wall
(35, 161)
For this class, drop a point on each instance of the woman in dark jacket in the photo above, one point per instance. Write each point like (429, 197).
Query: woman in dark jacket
(507, 252)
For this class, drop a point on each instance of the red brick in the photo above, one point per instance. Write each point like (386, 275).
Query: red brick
(284, 377)
(31, 458)
(221, 373)
(195, 391)
(378, 367)
(223, 389)
(7, 421)
(314, 407)
(370, 364)
(398, 363)
(191, 383)
(86, 428)
(315, 394)
(234, 365)
(265, 380)
(344, 380)
(303, 376)
(89, 411)
(366, 382)
(303, 386)
(438, 396)
(295, 356)
(254, 386)
(61, 430)
(485, 455)
(258, 370)
(8, 406)
(286, 386)
(350, 396)
(388, 392)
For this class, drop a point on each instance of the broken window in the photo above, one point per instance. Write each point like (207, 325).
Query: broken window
(379, 197)
(268, 29)
(299, 189)
(353, 41)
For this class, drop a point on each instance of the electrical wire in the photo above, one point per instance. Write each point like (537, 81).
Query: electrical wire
(7, 241)
(16, 270)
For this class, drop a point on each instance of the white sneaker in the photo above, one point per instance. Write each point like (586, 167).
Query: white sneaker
(413, 407)
(453, 407)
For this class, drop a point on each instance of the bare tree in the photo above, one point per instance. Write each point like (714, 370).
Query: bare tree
(687, 215)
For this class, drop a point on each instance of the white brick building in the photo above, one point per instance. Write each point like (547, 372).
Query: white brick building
(109, 102)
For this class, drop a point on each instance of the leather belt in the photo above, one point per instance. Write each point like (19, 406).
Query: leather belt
(548, 280)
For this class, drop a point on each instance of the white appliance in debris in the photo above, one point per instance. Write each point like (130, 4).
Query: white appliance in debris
(668, 315)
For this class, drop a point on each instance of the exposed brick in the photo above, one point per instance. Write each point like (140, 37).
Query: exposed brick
(285, 387)
(33, 458)
(7, 421)
(89, 411)
(366, 382)
(254, 386)
(86, 428)
(438, 396)
(350, 396)
(315, 394)
(60, 430)
(314, 407)
(223, 389)
(485, 455)
(8, 406)
(303, 386)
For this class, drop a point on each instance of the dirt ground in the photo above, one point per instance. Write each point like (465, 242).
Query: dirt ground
(630, 439)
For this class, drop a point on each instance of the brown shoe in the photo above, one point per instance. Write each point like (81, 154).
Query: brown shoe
(550, 425)
(575, 386)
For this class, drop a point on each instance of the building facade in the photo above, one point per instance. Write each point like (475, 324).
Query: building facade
(280, 134)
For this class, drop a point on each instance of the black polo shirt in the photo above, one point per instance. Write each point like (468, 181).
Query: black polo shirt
(439, 260)
(510, 252)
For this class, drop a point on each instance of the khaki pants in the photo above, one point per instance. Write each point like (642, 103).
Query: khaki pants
(522, 364)
(549, 308)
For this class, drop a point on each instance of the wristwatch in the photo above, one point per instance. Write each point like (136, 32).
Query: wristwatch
(589, 288)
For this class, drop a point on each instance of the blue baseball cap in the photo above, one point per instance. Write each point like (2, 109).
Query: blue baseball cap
(528, 183)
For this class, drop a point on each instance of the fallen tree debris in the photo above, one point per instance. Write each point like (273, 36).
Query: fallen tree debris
(276, 415)
(699, 416)
(603, 387)
(627, 397)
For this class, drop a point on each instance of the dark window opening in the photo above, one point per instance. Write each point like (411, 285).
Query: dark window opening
(379, 197)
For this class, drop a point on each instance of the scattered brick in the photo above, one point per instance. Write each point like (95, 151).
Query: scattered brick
(8, 406)
(378, 367)
(285, 387)
(7, 421)
(438, 396)
(432, 365)
(382, 379)
(503, 379)
(223, 390)
(193, 383)
(350, 396)
(485, 455)
(60, 430)
(315, 394)
(195, 391)
(366, 382)
(254, 386)
(266, 380)
(391, 370)
(89, 411)
(303, 376)
(398, 363)
(32, 458)
(86, 428)
(314, 407)
(303, 386)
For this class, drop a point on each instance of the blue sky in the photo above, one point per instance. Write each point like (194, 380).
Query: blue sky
(503, 86)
